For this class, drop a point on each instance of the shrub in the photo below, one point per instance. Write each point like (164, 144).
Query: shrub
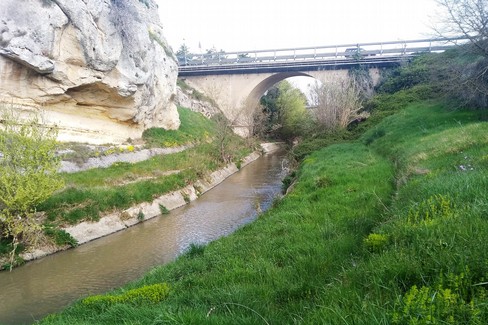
(146, 294)
(140, 215)
(437, 206)
(186, 197)
(163, 209)
(28, 174)
(454, 300)
(60, 236)
(407, 76)
(287, 181)
(376, 242)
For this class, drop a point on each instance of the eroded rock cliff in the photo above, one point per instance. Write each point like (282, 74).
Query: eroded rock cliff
(100, 69)
(186, 98)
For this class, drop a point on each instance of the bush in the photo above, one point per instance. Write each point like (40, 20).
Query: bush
(146, 294)
(28, 174)
(376, 242)
(407, 76)
(163, 209)
(287, 181)
(437, 206)
(60, 236)
(140, 215)
(453, 300)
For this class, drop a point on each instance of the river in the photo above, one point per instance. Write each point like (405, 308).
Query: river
(48, 285)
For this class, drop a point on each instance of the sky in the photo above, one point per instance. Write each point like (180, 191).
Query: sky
(273, 24)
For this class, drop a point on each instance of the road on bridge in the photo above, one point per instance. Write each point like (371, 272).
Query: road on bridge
(380, 54)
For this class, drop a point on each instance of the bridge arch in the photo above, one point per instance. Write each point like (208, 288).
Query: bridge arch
(238, 95)
(235, 81)
(261, 88)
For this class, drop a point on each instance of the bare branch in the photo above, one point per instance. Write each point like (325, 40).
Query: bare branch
(468, 18)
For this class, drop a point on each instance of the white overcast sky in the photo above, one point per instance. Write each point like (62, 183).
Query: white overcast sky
(268, 24)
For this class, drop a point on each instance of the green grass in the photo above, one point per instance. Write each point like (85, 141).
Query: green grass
(271, 269)
(89, 194)
(194, 128)
(154, 167)
(431, 264)
(388, 229)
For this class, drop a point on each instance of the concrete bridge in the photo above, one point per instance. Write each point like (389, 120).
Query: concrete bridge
(237, 80)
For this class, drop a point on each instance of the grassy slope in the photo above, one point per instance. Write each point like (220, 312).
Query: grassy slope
(393, 231)
(194, 128)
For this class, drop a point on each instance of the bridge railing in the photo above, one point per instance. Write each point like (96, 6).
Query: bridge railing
(342, 51)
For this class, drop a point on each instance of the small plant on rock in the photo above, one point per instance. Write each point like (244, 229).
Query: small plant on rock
(140, 215)
(163, 209)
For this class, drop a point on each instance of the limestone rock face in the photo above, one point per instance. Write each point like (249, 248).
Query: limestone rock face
(185, 99)
(100, 69)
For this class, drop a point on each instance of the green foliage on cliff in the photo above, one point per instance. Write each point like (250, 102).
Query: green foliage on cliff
(157, 39)
(194, 128)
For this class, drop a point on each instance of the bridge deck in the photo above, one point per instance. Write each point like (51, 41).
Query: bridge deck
(310, 59)
(311, 65)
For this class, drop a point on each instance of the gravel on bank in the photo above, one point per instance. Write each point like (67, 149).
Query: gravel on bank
(129, 157)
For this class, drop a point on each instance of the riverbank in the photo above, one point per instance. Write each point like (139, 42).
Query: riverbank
(115, 260)
(123, 178)
(388, 229)
(119, 220)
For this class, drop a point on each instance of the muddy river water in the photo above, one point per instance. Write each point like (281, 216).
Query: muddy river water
(48, 285)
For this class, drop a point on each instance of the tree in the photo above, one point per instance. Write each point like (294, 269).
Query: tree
(285, 108)
(336, 104)
(258, 123)
(467, 74)
(271, 119)
(468, 18)
(213, 54)
(183, 54)
(223, 135)
(183, 51)
(293, 114)
(28, 176)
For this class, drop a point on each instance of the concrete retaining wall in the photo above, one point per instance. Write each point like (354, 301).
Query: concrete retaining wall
(120, 220)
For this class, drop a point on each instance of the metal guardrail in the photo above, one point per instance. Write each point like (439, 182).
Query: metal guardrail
(310, 58)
